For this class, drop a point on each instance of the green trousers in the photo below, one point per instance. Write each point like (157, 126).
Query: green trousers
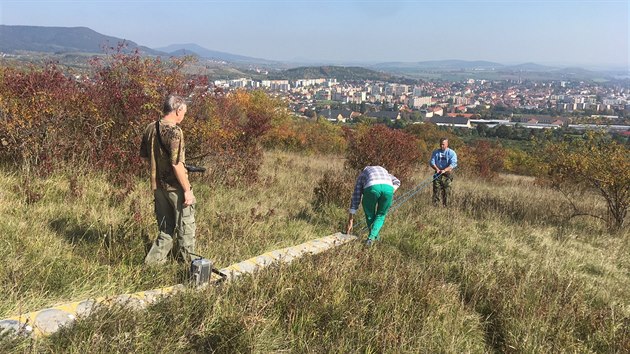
(442, 189)
(176, 226)
(376, 202)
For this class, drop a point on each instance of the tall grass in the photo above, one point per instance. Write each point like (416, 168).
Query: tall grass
(501, 270)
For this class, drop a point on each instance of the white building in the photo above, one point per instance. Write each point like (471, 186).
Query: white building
(417, 102)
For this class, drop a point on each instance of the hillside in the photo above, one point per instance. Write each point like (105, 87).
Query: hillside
(499, 271)
(440, 65)
(60, 40)
(341, 73)
(214, 54)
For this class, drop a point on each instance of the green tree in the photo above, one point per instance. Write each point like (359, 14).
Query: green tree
(482, 130)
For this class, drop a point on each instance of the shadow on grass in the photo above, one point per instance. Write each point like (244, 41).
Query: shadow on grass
(75, 233)
(105, 243)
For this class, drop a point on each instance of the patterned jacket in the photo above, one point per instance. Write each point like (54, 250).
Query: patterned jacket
(371, 175)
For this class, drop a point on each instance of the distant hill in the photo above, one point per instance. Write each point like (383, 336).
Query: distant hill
(439, 65)
(456, 70)
(176, 49)
(14, 39)
(183, 53)
(530, 67)
(338, 72)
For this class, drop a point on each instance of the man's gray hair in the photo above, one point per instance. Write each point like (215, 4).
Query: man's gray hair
(173, 103)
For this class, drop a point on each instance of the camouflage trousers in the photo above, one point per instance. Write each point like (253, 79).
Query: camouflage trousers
(176, 226)
(442, 189)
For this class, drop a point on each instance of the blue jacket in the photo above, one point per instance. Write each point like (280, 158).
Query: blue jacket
(443, 159)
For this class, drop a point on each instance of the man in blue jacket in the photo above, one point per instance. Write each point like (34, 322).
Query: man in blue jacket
(443, 161)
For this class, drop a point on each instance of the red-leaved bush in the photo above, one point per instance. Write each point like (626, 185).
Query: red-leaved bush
(50, 118)
(484, 158)
(225, 131)
(393, 149)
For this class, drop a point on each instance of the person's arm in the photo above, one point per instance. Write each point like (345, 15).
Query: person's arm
(144, 148)
(354, 203)
(356, 195)
(453, 163)
(350, 224)
(182, 178)
(433, 164)
(395, 182)
(176, 145)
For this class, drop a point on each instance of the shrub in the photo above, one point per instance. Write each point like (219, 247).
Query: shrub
(296, 134)
(595, 163)
(126, 93)
(49, 118)
(520, 162)
(334, 188)
(428, 136)
(226, 131)
(395, 150)
(484, 158)
(35, 105)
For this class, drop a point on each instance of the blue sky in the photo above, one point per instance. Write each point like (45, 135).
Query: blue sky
(557, 32)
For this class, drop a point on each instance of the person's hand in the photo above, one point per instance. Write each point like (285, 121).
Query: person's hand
(189, 198)
(349, 226)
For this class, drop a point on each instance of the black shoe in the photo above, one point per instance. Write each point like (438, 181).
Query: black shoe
(369, 242)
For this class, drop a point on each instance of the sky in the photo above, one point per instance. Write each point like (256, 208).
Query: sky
(587, 33)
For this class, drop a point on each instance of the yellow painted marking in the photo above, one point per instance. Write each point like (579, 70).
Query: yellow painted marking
(313, 246)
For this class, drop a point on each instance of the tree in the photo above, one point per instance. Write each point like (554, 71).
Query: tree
(596, 163)
(482, 130)
(503, 132)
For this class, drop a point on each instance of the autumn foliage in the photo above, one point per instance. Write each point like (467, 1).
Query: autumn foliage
(521, 162)
(594, 163)
(483, 158)
(296, 134)
(428, 136)
(393, 149)
(51, 118)
(225, 131)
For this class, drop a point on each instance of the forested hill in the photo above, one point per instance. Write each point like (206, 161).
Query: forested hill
(340, 73)
(60, 40)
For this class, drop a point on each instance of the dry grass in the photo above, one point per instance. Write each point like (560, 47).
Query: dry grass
(501, 270)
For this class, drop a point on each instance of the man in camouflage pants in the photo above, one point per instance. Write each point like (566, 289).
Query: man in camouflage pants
(443, 161)
(174, 199)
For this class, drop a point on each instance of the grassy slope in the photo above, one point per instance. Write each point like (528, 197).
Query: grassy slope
(499, 271)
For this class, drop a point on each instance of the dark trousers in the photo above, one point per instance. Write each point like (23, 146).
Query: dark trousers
(442, 189)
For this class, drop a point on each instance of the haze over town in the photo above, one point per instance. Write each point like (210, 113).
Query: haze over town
(590, 34)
